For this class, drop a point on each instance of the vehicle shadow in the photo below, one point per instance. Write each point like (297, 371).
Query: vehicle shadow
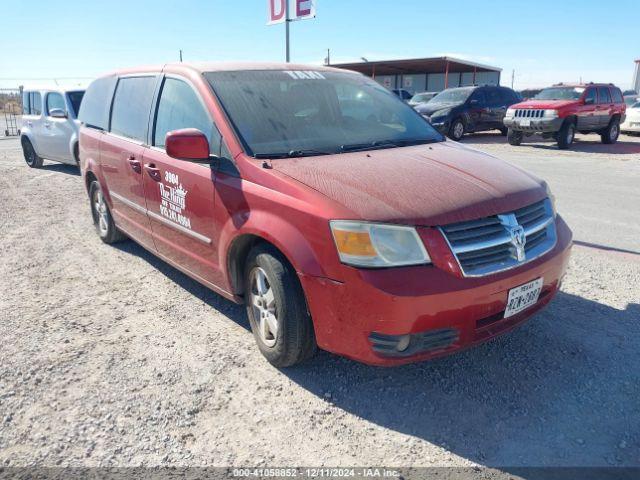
(228, 308)
(61, 168)
(561, 390)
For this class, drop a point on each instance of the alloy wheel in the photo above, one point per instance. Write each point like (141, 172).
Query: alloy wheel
(100, 207)
(263, 304)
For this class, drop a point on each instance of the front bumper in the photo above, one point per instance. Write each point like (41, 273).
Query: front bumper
(442, 125)
(533, 125)
(447, 313)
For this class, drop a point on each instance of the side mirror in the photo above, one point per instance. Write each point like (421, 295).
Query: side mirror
(187, 144)
(57, 113)
(589, 101)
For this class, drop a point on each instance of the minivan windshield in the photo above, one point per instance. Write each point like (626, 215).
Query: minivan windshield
(453, 95)
(290, 113)
(560, 93)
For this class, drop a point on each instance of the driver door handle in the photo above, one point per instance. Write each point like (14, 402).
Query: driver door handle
(136, 166)
(153, 172)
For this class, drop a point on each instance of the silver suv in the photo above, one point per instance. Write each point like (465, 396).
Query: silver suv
(49, 125)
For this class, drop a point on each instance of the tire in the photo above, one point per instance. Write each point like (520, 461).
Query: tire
(272, 289)
(30, 155)
(504, 131)
(457, 130)
(566, 135)
(76, 154)
(610, 134)
(102, 219)
(514, 137)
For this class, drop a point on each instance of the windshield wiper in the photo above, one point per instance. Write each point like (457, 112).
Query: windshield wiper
(358, 147)
(293, 154)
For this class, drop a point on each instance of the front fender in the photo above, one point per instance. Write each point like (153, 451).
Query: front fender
(276, 230)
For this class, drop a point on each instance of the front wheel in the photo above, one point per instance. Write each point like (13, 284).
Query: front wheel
(102, 219)
(456, 132)
(30, 155)
(566, 135)
(277, 309)
(514, 137)
(612, 132)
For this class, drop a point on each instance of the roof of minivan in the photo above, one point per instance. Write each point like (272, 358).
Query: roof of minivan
(52, 88)
(227, 67)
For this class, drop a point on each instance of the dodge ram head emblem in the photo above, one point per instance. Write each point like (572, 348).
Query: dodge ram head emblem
(516, 234)
(518, 239)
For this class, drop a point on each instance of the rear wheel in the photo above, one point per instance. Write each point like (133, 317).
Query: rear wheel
(102, 219)
(456, 131)
(612, 132)
(277, 309)
(566, 135)
(514, 137)
(30, 155)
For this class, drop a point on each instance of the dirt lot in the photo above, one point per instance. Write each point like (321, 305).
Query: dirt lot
(111, 357)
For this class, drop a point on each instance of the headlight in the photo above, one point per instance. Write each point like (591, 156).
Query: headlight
(550, 114)
(511, 112)
(552, 199)
(377, 245)
(441, 113)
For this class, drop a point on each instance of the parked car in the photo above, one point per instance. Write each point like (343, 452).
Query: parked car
(403, 94)
(562, 110)
(457, 111)
(422, 97)
(369, 237)
(632, 122)
(49, 126)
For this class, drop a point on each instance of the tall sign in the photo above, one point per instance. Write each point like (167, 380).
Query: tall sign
(286, 11)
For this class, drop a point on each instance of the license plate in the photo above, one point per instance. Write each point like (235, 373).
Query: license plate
(522, 297)
(525, 123)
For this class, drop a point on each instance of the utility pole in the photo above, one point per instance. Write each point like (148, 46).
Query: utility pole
(180, 55)
(513, 76)
(328, 59)
(287, 22)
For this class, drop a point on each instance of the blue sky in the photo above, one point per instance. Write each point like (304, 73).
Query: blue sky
(544, 41)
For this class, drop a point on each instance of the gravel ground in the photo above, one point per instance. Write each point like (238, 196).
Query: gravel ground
(111, 357)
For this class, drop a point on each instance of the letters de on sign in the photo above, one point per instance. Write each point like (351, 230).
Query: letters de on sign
(298, 10)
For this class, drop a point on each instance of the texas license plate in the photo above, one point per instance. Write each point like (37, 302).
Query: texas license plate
(525, 123)
(523, 297)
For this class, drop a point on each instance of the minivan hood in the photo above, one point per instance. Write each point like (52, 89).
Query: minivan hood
(430, 108)
(430, 185)
(549, 104)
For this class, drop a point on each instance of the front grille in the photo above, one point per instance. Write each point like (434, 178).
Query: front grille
(504, 241)
(529, 113)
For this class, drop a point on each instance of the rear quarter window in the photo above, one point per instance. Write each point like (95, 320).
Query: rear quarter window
(617, 95)
(35, 101)
(25, 103)
(131, 107)
(94, 109)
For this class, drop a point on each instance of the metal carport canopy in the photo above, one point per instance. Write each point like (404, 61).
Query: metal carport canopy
(416, 66)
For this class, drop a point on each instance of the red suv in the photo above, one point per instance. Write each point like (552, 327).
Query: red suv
(330, 208)
(562, 110)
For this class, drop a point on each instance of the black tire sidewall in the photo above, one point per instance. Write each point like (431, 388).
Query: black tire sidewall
(607, 137)
(295, 339)
(514, 137)
(28, 150)
(562, 135)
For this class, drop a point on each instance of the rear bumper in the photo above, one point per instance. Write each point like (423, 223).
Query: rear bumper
(444, 312)
(535, 125)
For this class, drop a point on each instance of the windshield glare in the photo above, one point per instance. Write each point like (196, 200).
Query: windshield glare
(560, 93)
(453, 95)
(276, 112)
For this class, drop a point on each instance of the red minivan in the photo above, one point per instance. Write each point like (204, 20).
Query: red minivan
(330, 208)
